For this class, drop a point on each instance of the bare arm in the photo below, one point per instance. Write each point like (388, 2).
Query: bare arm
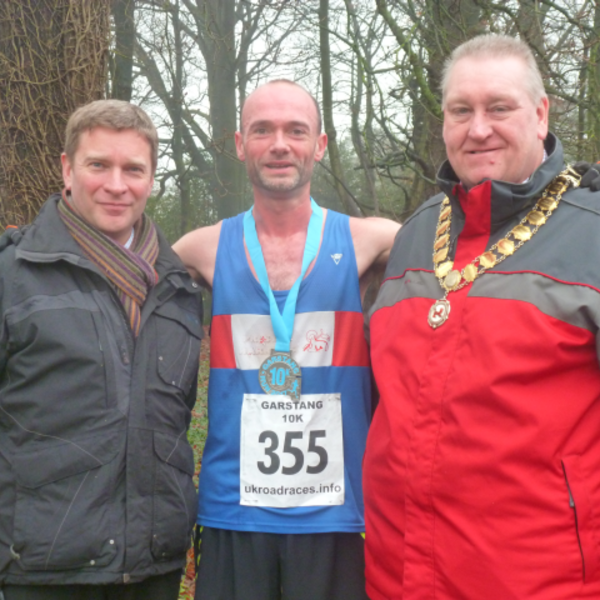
(373, 238)
(198, 252)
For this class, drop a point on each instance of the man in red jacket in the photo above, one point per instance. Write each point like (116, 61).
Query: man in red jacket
(482, 468)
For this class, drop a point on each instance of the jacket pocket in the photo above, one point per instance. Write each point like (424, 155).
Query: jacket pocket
(63, 504)
(178, 340)
(585, 519)
(175, 498)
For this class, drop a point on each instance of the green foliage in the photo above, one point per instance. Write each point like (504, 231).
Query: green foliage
(165, 209)
(197, 438)
(199, 425)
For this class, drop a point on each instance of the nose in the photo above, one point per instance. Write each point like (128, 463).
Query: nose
(479, 127)
(115, 182)
(279, 143)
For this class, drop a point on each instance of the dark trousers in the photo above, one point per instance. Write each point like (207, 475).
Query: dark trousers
(161, 587)
(237, 565)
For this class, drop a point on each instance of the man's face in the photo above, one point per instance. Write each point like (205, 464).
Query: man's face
(492, 127)
(110, 178)
(279, 141)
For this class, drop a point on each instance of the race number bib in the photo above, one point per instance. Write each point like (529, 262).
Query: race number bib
(292, 451)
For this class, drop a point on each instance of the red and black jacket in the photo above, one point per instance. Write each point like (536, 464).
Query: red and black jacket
(482, 469)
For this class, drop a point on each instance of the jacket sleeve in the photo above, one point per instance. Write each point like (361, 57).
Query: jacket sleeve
(3, 333)
(7, 257)
(3, 328)
(8, 241)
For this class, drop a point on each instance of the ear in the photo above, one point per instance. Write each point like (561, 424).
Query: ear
(321, 146)
(150, 186)
(542, 112)
(66, 170)
(239, 146)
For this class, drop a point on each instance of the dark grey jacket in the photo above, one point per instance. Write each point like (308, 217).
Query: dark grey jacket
(95, 468)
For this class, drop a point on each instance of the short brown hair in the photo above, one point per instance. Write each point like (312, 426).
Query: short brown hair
(111, 114)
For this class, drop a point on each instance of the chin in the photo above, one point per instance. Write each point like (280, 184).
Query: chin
(281, 186)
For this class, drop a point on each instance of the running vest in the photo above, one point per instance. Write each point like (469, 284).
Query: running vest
(272, 464)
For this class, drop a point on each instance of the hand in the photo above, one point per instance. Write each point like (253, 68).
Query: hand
(590, 175)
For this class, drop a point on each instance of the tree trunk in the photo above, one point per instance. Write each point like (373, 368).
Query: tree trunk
(334, 153)
(218, 48)
(123, 14)
(52, 59)
(360, 80)
(445, 24)
(178, 128)
(357, 137)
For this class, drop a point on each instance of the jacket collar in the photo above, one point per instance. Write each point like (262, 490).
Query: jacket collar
(508, 199)
(47, 235)
(48, 240)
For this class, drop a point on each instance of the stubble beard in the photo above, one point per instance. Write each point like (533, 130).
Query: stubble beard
(278, 184)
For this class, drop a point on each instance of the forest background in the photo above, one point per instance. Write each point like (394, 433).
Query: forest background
(373, 65)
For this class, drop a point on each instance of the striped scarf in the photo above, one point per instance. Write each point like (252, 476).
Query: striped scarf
(130, 271)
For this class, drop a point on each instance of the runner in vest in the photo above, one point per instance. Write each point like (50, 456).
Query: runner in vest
(281, 506)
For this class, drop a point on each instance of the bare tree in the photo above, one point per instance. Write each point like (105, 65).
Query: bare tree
(377, 68)
(363, 136)
(198, 58)
(327, 92)
(123, 12)
(591, 125)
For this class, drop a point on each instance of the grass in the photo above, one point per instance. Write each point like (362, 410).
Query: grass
(197, 438)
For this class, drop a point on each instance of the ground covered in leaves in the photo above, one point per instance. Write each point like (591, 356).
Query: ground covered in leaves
(197, 437)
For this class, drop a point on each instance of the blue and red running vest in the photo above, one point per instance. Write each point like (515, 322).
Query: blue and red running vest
(301, 462)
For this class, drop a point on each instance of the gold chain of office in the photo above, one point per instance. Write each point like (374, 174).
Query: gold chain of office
(452, 279)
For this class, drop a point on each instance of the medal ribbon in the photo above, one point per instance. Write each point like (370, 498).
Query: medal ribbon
(283, 324)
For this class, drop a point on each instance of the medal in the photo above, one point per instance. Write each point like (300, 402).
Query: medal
(453, 280)
(280, 374)
(438, 313)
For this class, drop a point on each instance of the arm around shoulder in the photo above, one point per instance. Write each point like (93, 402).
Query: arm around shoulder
(198, 252)
(373, 239)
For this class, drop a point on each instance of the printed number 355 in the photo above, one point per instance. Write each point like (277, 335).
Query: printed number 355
(272, 466)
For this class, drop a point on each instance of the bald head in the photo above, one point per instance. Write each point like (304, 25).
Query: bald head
(313, 110)
(280, 140)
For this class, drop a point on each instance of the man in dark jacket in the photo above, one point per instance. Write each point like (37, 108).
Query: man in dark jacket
(99, 346)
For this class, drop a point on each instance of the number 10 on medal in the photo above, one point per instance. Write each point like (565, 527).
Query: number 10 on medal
(278, 375)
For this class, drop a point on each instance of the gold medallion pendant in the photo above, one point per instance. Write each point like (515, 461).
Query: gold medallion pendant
(452, 279)
(438, 313)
